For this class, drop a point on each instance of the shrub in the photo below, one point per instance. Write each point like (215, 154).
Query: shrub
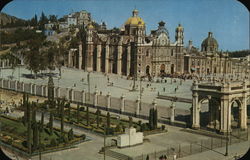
(47, 131)
(144, 127)
(70, 135)
(42, 146)
(83, 137)
(139, 122)
(118, 128)
(162, 127)
(65, 139)
(53, 142)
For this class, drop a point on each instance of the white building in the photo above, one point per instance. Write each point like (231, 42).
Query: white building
(71, 20)
(49, 25)
(63, 25)
(130, 138)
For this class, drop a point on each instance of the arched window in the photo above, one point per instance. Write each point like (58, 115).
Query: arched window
(172, 52)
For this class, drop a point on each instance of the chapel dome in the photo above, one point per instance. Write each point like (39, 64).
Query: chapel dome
(135, 20)
(209, 44)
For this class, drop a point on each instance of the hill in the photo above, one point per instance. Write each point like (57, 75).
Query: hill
(10, 21)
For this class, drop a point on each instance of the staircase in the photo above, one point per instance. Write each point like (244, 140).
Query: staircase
(117, 155)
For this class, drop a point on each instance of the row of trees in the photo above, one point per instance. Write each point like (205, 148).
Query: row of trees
(19, 35)
(36, 22)
(35, 129)
(43, 55)
(236, 54)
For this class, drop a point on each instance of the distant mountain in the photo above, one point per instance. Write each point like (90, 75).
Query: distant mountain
(8, 20)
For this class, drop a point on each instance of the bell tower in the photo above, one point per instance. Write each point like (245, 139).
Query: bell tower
(179, 35)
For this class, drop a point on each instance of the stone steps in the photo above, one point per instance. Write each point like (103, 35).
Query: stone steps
(203, 132)
(117, 155)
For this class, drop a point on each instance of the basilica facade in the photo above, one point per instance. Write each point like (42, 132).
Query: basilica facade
(129, 51)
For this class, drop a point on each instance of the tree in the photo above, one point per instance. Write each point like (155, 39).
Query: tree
(53, 142)
(87, 116)
(51, 119)
(62, 116)
(33, 21)
(1, 25)
(108, 120)
(33, 113)
(151, 118)
(25, 106)
(69, 108)
(29, 141)
(130, 121)
(42, 121)
(52, 18)
(70, 135)
(155, 118)
(77, 113)
(33, 57)
(97, 118)
(43, 20)
(51, 54)
(119, 128)
(35, 136)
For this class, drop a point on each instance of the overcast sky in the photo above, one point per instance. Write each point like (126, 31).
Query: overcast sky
(227, 19)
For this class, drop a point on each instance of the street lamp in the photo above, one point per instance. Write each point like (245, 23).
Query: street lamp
(140, 91)
(88, 86)
(226, 154)
(104, 152)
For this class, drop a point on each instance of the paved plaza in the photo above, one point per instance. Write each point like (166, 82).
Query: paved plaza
(77, 79)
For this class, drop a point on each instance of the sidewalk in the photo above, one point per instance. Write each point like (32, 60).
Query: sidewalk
(218, 153)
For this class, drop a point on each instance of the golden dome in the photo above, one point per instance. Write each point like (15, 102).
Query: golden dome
(90, 26)
(135, 20)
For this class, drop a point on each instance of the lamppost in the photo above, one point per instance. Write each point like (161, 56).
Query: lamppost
(18, 72)
(135, 67)
(40, 154)
(226, 154)
(104, 151)
(140, 91)
(88, 86)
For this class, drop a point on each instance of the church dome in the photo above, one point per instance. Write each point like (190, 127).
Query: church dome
(135, 19)
(90, 26)
(209, 44)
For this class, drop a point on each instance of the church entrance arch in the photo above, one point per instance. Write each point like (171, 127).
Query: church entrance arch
(172, 68)
(162, 68)
(235, 113)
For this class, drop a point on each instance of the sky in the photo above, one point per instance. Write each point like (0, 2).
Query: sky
(227, 19)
